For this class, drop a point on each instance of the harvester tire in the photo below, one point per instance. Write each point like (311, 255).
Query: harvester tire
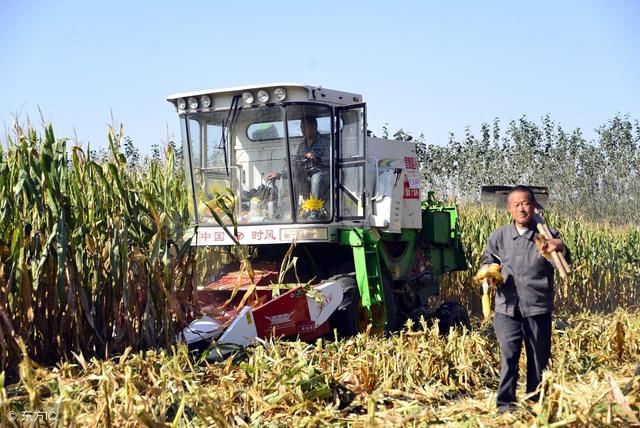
(391, 305)
(452, 315)
(345, 319)
(348, 320)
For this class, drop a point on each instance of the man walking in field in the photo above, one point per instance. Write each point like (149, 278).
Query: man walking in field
(524, 303)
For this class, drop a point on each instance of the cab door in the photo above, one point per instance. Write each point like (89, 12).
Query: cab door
(351, 129)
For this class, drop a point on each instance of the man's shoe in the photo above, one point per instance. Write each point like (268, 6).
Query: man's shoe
(506, 408)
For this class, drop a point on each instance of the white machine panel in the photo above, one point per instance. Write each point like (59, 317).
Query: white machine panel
(265, 234)
(396, 200)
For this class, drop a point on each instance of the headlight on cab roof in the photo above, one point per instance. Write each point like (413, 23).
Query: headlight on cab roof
(279, 94)
(263, 96)
(205, 101)
(182, 104)
(193, 103)
(247, 97)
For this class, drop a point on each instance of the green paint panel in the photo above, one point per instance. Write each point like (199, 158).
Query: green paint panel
(447, 259)
(436, 226)
(367, 262)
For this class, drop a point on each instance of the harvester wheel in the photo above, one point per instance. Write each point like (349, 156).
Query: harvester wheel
(452, 315)
(350, 319)
(391, 305)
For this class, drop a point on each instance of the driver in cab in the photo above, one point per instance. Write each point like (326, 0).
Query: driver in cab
(314, 155)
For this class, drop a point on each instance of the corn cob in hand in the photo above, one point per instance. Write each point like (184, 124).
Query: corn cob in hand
(488, 275)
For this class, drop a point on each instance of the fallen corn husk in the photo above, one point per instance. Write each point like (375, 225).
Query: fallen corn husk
(409, 378)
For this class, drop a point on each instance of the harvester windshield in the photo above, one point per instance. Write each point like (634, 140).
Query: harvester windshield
(258, 158)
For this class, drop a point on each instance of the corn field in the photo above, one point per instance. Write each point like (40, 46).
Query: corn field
(97, 275)
(93, 257)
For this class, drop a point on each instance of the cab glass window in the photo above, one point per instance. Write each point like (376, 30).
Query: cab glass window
(265, 131)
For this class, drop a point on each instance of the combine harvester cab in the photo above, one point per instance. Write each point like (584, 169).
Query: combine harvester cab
(369, 249)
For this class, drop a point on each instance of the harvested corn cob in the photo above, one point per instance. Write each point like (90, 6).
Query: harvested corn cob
(488, 275)
(486, 304)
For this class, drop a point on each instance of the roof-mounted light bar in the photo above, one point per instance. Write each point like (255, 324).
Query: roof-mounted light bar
(263, 96)
(205, 102)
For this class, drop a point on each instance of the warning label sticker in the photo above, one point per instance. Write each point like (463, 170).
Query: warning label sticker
(410, 162)
(411, 192)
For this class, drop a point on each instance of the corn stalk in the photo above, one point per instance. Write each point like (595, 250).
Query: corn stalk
(92, 254)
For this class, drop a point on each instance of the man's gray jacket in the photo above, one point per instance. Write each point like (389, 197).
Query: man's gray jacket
(528, 276)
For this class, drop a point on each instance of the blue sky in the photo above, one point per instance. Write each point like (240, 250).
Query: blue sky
(428, 67)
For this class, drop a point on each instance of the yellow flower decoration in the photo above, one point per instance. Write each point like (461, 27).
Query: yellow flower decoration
(312, 204)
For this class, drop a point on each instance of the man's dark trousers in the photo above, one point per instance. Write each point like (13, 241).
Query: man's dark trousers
(511, 331)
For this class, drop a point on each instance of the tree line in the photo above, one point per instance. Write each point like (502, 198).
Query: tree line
(597, 179)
